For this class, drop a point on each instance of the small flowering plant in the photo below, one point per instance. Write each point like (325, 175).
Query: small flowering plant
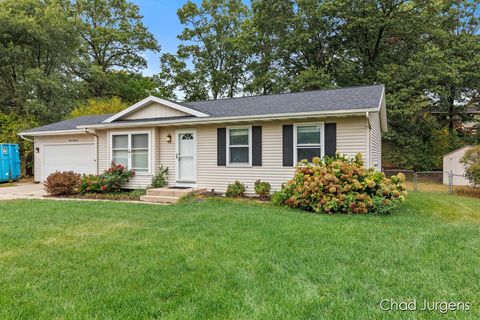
(111, 180)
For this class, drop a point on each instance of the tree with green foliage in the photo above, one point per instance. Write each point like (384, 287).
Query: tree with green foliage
(175, 76)
(37, 40)
(211, 42)
(471, 161)
(99, 106)
(113, 37)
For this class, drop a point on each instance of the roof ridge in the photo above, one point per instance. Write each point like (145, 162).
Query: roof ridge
(282, 93)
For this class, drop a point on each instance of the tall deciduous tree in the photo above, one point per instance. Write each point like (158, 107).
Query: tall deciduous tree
(113, 37)
(211, 44)
(37, 40)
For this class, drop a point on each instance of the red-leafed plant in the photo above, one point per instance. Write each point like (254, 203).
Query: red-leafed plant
(112, 180)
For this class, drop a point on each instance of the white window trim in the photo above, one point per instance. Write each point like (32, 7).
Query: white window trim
(322, 138)
(238, 164)
(129, 149)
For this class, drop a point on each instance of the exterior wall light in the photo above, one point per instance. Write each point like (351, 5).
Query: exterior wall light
(169, 138)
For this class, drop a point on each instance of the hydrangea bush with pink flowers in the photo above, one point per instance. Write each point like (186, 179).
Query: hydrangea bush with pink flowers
(341, 185)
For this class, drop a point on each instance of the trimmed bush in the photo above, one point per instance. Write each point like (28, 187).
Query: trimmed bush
(160, 180)
(341, 185)
(262, 189)
(62, 183)
(112, 180)
(235, 190)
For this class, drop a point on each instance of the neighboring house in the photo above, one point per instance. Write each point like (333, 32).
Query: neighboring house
(209, 144)
(451, 164)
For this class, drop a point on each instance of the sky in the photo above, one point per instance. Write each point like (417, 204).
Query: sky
(160, 17)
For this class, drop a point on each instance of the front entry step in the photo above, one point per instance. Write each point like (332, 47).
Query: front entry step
(169, 195)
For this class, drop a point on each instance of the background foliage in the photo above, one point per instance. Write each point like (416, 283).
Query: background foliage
(60, 55)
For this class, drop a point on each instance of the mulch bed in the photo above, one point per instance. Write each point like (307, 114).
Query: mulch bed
(121, 196)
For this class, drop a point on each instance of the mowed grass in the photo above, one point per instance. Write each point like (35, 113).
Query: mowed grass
(235, 260)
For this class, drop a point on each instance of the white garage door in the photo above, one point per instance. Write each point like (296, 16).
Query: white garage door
(77, 157)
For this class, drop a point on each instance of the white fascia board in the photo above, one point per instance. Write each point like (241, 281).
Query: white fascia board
(149, 100)
(382, 110)
(52, 133)
(265, 117)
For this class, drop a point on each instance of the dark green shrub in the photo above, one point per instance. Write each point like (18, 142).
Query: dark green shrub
(262, 189)
(93, 184)
(160, 180)
(235, 190)
(341, 185)
(62, 183)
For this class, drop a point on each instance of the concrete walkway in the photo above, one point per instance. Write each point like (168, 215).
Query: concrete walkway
(22, 191)
(37, 191)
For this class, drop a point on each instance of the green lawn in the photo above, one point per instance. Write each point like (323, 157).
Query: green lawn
(238, 260)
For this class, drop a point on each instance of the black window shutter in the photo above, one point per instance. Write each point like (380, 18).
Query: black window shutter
(221, 146)
(330, 139)
(288, 145)
(256, 145)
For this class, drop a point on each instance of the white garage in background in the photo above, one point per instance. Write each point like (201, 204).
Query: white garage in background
(451, 163)
(78, 157)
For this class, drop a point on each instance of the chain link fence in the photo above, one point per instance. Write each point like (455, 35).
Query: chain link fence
(435, 181)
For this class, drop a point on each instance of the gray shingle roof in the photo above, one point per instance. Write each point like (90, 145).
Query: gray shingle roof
(320, 100)
(71, 124)
(353, 98)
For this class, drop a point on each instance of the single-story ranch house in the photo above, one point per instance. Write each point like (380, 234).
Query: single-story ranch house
(209, 144)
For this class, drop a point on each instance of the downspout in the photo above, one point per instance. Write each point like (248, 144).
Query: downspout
(33, 169)
(96, 145)
(369, 127)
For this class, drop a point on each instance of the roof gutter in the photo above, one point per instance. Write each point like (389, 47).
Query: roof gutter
(26, 139)
(52, 133)
(91, 133)
(205, 120)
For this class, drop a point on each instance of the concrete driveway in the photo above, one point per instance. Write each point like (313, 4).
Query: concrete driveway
(22, 191)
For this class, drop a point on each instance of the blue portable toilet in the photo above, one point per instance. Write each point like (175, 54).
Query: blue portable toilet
(9, 162)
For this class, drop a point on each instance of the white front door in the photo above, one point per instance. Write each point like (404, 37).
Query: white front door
(186, 150)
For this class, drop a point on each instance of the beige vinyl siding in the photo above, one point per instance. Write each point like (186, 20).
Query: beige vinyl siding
(351, 139)
(140, 180)
(352, 133)
(58, 139)
(167, 152)
(154, 110)
(103, 151)
(375, 141)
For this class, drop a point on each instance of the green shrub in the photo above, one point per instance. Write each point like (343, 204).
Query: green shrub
(235, 190)
(471, 162)
(112, 180)
(160, 180)
(262, 189)
(62, 183)
(93, 184)
(341, 185)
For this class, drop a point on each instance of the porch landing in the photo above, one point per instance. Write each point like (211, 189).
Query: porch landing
(169, 195)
